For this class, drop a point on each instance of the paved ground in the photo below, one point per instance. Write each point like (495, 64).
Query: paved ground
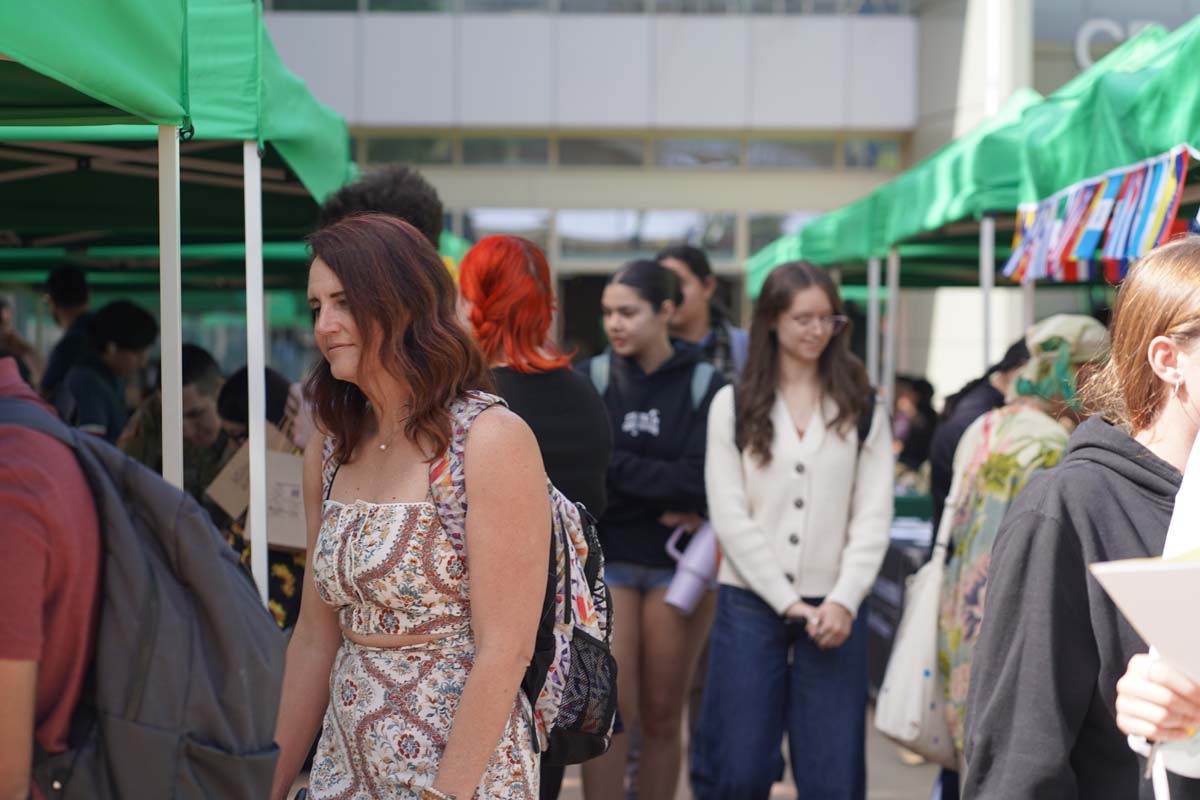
(887, 777)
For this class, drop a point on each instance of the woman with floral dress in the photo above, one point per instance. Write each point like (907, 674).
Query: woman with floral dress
(415, 628)
(996, 458)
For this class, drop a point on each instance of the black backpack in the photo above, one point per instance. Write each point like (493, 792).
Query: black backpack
(182, 694)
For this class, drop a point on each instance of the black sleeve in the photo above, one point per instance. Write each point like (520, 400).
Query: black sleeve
(672, 484)
(1035, 666)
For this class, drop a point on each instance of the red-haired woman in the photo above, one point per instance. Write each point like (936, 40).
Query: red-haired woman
(505, 287)
(507, 297)
(412, 639)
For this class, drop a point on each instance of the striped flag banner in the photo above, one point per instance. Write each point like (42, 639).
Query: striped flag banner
(1078, 203)
(1179, 170)
(1043, 228)
(1118, 229)
(1014, 268)
(1098, 216)
(1145, 207)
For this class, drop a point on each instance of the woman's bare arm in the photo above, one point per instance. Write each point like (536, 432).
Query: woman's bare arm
(508, 548)
(310, 654)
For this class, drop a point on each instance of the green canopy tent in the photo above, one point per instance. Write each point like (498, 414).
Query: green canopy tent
(73, 65)
(80, 184)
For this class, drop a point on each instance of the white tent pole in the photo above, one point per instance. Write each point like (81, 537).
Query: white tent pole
(1028, 309)
(170, 298)
(874, 270)
(987, 281)
(256, 363)
(891, 330)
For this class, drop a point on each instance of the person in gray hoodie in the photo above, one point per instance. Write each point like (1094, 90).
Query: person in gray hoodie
(1041, 717)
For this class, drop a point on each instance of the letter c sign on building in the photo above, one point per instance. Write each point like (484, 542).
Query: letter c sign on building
(1099, 27)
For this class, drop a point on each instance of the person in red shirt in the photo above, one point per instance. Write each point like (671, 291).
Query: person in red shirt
(49, 590)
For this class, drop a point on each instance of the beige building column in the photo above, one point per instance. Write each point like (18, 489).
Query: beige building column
(971, 56)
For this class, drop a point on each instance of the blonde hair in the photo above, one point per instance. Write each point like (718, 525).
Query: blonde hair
(1160, 297)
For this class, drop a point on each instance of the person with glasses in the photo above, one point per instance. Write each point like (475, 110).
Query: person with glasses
(799, 476)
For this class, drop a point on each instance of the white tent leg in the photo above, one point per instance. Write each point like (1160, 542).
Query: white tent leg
(1028, 309)
(891, 330)
(987, 281)
(256, 363)
(873, 277)
(170, 298)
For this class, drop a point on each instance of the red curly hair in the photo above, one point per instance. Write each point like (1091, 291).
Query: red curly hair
(507, 281)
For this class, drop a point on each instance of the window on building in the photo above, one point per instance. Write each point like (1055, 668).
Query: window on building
(315, 5)
(409, 150)
(601, 152)
(503, 6)
(700, 6)
(882, 154)
(609, 233)
(698, 152)
(766, 228)
(712, 231)
(792, 153)
(531, 223)
(619, 234)
(412, 6)
(603, 6)
(506, 151)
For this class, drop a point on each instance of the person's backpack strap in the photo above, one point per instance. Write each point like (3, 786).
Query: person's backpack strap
(598, 370)
(702, 376)
(447, 479)
(14, 411)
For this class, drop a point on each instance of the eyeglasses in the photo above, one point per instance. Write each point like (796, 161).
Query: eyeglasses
(833, 323)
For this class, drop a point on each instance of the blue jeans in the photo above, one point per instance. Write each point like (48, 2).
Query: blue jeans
(767, 678)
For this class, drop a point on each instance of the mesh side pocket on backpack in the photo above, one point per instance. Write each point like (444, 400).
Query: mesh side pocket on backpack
(583, 726)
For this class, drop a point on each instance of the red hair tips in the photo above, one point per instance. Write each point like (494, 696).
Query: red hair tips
(507, 281)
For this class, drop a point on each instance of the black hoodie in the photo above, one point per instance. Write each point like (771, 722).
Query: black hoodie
(1041, 719)
(658, 453)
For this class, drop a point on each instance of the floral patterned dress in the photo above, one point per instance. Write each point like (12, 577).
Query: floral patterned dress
(392, 569)
(996, 458)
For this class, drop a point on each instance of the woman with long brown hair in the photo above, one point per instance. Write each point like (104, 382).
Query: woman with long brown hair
(799, 476)
(1042, 708)
(412, 641)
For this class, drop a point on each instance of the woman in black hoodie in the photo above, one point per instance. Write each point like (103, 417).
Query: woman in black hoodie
(657, 391)
(1041, 717)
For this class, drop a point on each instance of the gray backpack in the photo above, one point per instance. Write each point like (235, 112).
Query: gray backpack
(182, 694)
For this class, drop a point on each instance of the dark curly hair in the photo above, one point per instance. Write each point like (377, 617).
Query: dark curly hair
(397, 190)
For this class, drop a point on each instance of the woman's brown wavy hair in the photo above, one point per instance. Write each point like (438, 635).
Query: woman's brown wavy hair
(405, 306)
(842, 375)
(1160, 297)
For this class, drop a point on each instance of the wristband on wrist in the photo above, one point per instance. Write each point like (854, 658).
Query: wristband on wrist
(430, 793)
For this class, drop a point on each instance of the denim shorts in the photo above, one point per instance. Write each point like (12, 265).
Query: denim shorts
(627, 575)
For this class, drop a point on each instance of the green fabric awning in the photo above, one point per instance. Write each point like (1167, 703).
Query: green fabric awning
(1085, 127)
(239, 90)
(67, 62)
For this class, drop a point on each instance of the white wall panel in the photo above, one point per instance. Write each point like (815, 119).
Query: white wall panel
(603, 76)
(701, 71)
(638, 71)
(882, 68)
(504, 69)
(798, 75)
(408, 74)
(323, 49)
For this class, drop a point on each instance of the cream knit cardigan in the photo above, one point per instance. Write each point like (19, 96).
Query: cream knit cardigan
(815, 521)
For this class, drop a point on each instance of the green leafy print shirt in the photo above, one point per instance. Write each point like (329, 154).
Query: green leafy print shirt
(996, 458)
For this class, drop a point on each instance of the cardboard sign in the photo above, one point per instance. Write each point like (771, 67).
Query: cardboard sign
(230, 490)
(285, 502)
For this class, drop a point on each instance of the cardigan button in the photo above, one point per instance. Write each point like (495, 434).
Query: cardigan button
(799, 502)
(794, 539)
(791, 578)
(800, 469)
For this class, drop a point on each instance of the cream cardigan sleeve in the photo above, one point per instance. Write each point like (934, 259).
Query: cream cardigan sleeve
(743, 541)
(871, 507)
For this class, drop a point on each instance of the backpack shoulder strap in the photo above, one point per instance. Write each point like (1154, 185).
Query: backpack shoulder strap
(329, 466)
(14, 411)
(598, 369)
(447, 478)
(702, 375)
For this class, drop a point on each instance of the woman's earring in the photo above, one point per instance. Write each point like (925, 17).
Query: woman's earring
(1175, 389)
